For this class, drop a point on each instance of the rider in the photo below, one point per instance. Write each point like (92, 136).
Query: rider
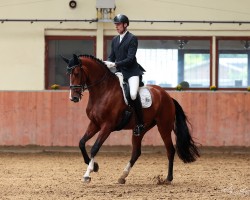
(122, 56)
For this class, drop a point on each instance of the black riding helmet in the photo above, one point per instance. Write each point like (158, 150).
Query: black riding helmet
(121, 19)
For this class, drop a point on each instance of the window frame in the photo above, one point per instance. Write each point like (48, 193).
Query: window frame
(227, 51)
(182, 67)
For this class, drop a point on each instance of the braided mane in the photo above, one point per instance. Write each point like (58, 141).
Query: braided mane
(95, 59)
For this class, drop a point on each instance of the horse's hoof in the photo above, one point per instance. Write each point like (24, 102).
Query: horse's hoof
(167, 182)
(121, 181)
(86, 179)
(96, 167)
(161, 181)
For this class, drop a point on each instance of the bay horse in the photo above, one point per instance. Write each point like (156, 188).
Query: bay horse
(106, 108)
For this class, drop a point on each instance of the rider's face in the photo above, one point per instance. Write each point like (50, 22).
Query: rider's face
(121, 27)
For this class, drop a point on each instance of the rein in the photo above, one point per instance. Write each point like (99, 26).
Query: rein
(85, 86)
(97, 82)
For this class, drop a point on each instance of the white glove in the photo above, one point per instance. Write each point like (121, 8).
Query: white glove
(109, 64)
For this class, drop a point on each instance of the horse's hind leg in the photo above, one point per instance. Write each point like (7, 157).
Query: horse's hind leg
(136, 152)
(166, 136)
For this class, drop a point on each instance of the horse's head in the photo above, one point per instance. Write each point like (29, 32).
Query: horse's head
(77, 82)
(86, 72)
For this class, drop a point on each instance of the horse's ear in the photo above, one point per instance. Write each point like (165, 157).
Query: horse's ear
(75, 58)
(65, 59)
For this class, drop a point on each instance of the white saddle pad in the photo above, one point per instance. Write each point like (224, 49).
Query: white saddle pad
(144, 92)
(146, 98)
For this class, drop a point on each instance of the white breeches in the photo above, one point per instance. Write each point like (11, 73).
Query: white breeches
(134, 86)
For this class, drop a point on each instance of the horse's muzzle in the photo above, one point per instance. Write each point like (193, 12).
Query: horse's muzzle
(75, 99)
(75, 93)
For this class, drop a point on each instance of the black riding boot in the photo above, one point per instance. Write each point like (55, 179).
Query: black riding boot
(136, 104)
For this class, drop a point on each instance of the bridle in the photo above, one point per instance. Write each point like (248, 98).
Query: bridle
(84, 86)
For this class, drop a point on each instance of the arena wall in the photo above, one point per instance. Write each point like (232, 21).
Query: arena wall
(23, 43)
(49, 118)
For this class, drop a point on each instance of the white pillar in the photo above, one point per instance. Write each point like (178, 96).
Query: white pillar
(99, 40)
(214, 60)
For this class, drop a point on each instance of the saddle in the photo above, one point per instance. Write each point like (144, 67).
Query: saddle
(144, 92)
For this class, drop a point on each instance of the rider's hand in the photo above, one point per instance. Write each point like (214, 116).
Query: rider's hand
(109, 64)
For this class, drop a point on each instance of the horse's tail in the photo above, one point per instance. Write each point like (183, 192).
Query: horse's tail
(185, 146)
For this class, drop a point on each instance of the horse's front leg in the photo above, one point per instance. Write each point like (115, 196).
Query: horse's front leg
(90, 168)
(103, 135)
(136, 152)
(90, 132)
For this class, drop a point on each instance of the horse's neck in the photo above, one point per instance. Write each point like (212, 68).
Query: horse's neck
(101, 82)
(105, 89)
(94, 71)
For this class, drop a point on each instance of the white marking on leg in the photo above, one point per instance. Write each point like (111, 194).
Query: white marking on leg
(128, 167)
(90, 168)
(122, 179)
(126, 171)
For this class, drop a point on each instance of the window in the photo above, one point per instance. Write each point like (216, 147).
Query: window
(169, 61)
(233, 63)
(57, 46)
(161, 66)
(197, 68)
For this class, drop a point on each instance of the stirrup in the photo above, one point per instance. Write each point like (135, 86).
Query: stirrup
(138, 129)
